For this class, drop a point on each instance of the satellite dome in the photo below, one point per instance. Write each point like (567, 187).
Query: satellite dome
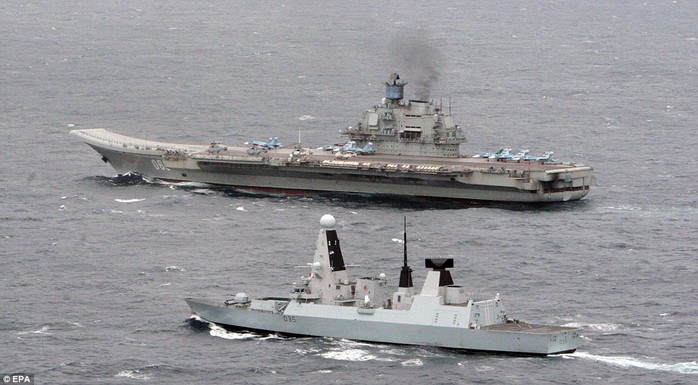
(327, 221)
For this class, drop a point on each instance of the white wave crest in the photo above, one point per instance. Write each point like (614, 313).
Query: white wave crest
(413, 362)
(134, 200)
(344, 343)
(203, 191)
(623, 207)
(348, 355)
(599, 327)
(134, 374)
(43, 330)
(631, 362)
(271, 337)
(184, 184)
(305, 352)
(217, 331)
(348, 350)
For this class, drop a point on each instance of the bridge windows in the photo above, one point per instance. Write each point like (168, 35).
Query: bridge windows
(411, 133)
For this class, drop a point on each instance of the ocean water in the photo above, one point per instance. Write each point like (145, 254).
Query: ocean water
(94, 267)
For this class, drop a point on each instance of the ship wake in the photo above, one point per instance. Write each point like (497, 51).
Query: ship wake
(128, 179)
(632, 362)
(200, 324)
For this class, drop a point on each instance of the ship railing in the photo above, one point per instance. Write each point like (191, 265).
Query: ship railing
(116, 140)
(394, 167)
(424, 169)
(340, 164)
(141, 144)
(427, 168)
(450, 140)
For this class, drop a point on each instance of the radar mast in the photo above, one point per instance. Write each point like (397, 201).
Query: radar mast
(406, 272)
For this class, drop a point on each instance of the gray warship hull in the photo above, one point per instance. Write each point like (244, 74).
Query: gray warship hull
(289, 170)
(435, 327)
(328, 303)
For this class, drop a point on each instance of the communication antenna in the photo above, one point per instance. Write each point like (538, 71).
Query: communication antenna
(299, 146)
(406, 272)
(404, 238)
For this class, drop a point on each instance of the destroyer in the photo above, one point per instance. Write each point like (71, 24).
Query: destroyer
(327, 303)
(399, 148)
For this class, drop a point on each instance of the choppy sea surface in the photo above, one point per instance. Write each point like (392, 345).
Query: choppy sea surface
(94, 267)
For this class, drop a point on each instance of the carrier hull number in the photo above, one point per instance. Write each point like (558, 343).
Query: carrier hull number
(159, 165)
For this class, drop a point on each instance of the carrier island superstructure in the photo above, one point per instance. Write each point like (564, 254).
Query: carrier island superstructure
(328, 303)
(399, 148)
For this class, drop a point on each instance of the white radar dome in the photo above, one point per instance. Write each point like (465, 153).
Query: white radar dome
(327, 221)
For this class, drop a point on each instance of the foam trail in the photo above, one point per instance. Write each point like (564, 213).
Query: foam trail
(185, 184)
(271, 337)
(133, 374)
(348, 350)
(348, 355)
(631, 362)
(134, 200)
(598, 327)
(218, 331)
(413, 362)
(43, 330)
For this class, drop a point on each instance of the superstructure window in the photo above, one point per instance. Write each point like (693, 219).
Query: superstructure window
(410, 135)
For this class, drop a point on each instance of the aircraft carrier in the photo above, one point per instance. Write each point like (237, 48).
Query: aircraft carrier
(326, 303)
(399, 148)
